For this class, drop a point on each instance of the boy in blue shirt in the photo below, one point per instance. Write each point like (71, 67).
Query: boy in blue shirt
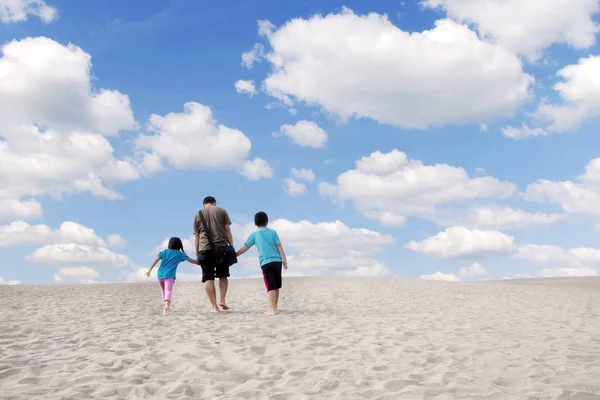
(271, 257)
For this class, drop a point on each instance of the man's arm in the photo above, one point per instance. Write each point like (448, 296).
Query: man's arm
(197, 242)
(229, 235)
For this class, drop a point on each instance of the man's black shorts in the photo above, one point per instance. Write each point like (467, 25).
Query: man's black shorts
(210, 270)
(272, 275)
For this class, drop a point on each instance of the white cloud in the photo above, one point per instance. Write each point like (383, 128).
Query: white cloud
(398, 187)
(580, 197)
(498, 218)
(523, 132)
(76, 275)
(293, 187)
(194, 139)
(438, 276)
(473, 271)
(566, 272)
(253, 56)
(305, 133)
(19, 10)
(580, 92)
(257, 169)
(55, 144)
(248, 87)
(24, 209)
(458, 241)
(412, 80)
(20, 233)
(303, 174)
(527, 27)
(14, 282)
(561, 262)
(71, 253)
(547, 254)
(325, 248)
(115, 240)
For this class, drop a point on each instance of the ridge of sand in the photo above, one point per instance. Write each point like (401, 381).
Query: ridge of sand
(336, 338)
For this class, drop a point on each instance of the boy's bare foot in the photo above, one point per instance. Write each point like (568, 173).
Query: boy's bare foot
(224, 306)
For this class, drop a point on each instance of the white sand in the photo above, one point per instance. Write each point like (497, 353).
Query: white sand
(337, 338)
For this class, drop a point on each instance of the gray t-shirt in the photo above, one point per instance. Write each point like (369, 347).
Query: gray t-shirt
(216, 218)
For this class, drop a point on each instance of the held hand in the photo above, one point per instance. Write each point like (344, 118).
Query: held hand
(147, 274)
(285, 264)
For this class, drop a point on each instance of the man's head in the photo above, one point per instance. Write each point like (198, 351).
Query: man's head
(209, 201)
(261, 219)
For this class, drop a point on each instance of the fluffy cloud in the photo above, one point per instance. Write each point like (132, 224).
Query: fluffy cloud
(523, 132)
(53, 144)
(547, 254)
(20, 233)
(305, 133)
(303, 174)
(472, 272)
(557, 261)
(247, 87)
(14, 282)
(293, 187)
(460, 242)
(253, 56)
(72, 253)
(580, 197)
(193, 139)
(76, 275)
(527, 27)
(566, 272)
(257, 169)
(438, 276)
(19, 10)
(580, 92)
(326, 248)
(399, 187)
(411, 80)
(497, 218)
(25, 209)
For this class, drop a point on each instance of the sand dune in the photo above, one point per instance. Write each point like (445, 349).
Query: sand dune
(336, 338)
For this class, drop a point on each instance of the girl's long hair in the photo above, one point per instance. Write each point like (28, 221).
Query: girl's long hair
(175, 244)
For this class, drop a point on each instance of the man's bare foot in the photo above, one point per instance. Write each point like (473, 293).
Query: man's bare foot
(270, 312)
(224, 306)
(215, 310)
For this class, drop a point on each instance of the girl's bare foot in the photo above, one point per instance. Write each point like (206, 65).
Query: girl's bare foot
(166, 310)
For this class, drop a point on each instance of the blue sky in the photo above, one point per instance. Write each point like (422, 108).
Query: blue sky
(423, 92)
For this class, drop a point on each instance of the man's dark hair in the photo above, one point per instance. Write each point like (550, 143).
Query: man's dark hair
(261, 219)
(175, 244)
(209, 200)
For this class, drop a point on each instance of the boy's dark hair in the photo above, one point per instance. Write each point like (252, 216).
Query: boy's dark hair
(261, 219)
(209, 200)
(175, 244)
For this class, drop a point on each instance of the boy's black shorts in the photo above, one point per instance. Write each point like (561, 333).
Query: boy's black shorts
(272, 275)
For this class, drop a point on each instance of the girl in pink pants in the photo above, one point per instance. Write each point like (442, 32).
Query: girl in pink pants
(170, 259)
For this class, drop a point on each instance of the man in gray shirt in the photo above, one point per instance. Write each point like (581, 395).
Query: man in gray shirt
(220, 229)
